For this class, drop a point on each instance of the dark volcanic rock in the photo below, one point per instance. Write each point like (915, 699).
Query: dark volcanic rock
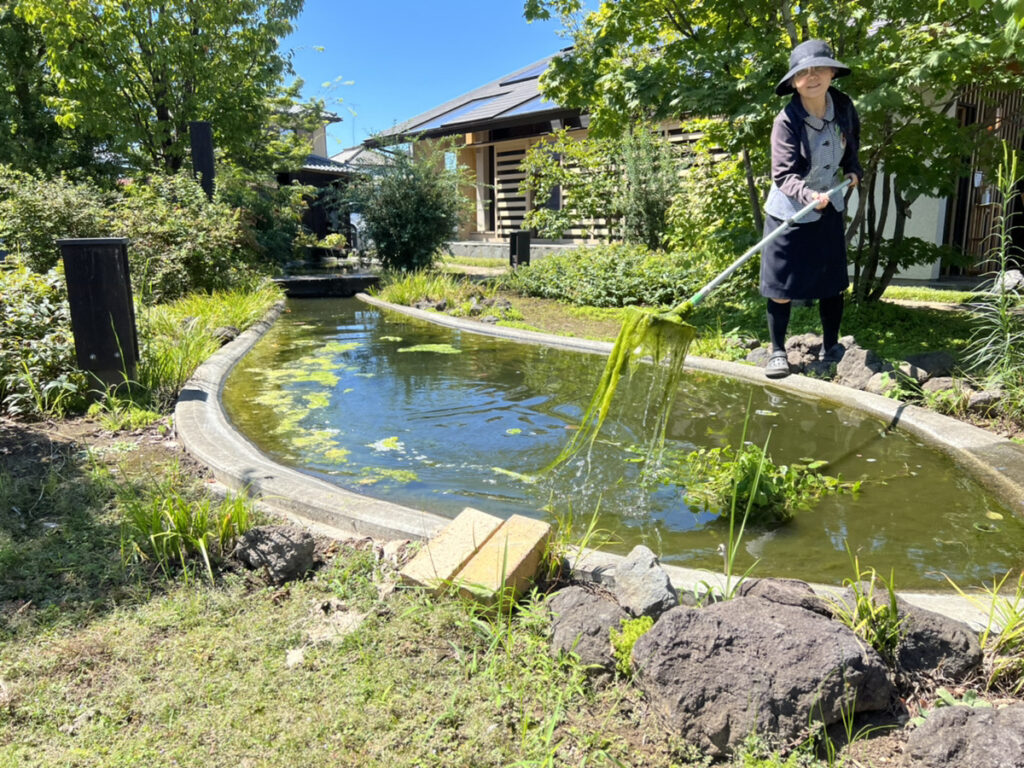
(720, 673)
(967, 737)
(642, 586)
(580, 623)
(283, 552)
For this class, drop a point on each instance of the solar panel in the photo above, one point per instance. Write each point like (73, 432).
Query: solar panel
(532, 72)
(452, 114)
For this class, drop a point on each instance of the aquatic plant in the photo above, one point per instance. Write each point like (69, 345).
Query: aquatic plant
(774, 491)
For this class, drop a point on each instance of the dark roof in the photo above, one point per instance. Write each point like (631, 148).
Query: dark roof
(511, 99)
(321, 164)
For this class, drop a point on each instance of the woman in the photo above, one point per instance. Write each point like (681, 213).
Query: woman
(815, 140)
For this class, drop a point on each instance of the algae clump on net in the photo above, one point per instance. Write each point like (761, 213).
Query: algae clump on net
(665, 339)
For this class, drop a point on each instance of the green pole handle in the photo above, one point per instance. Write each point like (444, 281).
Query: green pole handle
(702, 294)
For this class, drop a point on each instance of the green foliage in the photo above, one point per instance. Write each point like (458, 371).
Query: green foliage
(625, 638)
(270, 215)
(650, 181)
(38, 372)
(137, 73)
(711, 213)
(30, 139)
(611, 276)
(410, 206)
(897, 255)
(582, 170)
(624, 184)
(946, 699)
(774, 492)
(995, 352)
(352, 576)
(36, 211)
(172, 529)
(873, 614)
(1002, 639)
(175, 338)
(180, 241)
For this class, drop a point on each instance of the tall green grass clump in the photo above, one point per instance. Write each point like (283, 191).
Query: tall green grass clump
(872, 614)
(175, 530)
(1002, 639)
(177, 337)
(996, 349)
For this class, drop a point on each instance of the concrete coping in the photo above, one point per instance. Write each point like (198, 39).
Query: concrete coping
(205, 432)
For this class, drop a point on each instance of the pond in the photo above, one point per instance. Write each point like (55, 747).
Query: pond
(437, 419)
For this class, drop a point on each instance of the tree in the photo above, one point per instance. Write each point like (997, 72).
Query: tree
(410, 206)
(624, 184)
(29, 137)
(136, 72)
(644, 59)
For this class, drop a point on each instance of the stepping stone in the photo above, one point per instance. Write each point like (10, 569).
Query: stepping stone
(436, 564)
(507, 562)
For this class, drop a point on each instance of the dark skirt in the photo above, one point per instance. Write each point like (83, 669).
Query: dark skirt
(806, 262)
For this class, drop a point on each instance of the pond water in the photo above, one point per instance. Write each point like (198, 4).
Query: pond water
(437, 419)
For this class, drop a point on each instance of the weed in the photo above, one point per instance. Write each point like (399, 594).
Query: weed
(625, 638)
(351, 576)
(946, 699)
(773, 491)
(1002, 639)
(874, 619)
(166, 526)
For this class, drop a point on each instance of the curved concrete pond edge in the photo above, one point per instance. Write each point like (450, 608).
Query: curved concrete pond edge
(203, 429)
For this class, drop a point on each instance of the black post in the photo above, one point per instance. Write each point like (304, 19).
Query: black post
(102, 313)
(519, 248)
(200, 135)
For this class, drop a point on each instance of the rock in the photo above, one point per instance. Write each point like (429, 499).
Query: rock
(930, 644)
(968, 737)
(283, 552)
(804, 349)
(936, 645)
(1010, 281)
(642, 586)
(581, 620)
(931, 364)
(946, 383)
(858, 366)
(718, 674)
(225, 333)
(758, 356)
(984, 402)
(880, 384)
(785, 592)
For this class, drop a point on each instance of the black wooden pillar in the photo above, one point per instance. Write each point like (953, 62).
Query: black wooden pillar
(200, 135)
(102, 313)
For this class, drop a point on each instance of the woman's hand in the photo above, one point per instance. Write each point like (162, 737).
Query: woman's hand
(854, 181)
(823, 200)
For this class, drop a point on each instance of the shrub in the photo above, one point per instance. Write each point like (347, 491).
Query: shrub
(36, 211)
(180, 241)
(270, 215)
(611, 276)
(38, 372)
(409, 207)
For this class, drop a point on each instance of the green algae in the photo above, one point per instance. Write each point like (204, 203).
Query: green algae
(665, 339)
(373, 475)
(437, 349)
(386, 444)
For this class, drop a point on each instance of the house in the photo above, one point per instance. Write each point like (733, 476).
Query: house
(495, 124)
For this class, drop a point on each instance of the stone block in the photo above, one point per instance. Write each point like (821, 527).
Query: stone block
(507, 562)
(437, 563)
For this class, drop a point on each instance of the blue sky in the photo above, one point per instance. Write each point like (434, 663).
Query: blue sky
(406, 56)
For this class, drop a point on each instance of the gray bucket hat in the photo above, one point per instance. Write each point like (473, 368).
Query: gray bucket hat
(810, 53)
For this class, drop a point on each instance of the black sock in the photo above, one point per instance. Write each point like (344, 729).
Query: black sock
(831, 312)
(778, 322)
